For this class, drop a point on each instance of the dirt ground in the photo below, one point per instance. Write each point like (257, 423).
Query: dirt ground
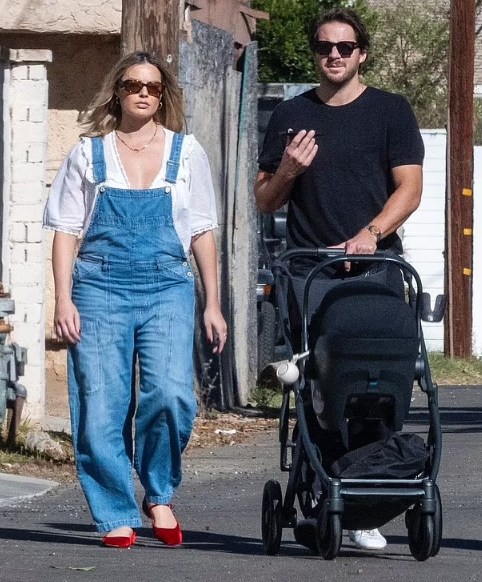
(211, 430)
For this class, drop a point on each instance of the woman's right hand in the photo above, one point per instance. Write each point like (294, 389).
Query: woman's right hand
(66, 320)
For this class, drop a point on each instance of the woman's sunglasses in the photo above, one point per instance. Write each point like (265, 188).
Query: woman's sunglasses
(345, 47)
(154, 88)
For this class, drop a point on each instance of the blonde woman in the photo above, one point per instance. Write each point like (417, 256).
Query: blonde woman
(139, 194)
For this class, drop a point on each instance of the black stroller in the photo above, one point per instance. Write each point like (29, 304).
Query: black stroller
(359, 351)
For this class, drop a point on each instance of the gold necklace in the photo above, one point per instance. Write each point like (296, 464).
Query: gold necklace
(137, 150)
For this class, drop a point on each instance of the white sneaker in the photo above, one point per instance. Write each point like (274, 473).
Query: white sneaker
(367, 539)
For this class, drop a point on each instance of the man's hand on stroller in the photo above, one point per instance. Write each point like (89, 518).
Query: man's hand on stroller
(364, 243)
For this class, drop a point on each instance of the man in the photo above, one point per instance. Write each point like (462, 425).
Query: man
(352, 172)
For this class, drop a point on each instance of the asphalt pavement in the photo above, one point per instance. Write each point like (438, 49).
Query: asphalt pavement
(47, 535)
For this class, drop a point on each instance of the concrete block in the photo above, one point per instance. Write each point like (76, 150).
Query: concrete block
(27, 172)
(27, 193)
(33, 410)
(34, 382)
(22, 294)
(22, 275)
(19, 113)
(18, 232)
(18, 152)
(36, 153)
(20, 315)
(34, 313)
(35, 355)
(37, 114)
(27, 213)
(18, 253)
(37, 72)
(34, 232)
(35, 253)
(27, 253)
(19, 73)
(28, 93)
(28, 334)
(29, 132)
(31, 56)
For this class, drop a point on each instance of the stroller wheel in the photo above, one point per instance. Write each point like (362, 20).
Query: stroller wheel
(271, 528)
(421, 535)
(437, 523)
(328, 535)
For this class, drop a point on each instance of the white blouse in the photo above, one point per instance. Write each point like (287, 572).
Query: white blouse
(73, 193)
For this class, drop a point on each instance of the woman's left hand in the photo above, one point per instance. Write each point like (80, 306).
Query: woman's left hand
(216, 328)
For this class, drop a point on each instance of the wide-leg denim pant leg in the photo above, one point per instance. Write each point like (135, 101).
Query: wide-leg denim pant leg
(102, 401)
(167, 404)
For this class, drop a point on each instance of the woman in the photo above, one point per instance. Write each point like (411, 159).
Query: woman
(140, 196)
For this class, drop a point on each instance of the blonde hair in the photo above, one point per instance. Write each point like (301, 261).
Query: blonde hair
(104, 114)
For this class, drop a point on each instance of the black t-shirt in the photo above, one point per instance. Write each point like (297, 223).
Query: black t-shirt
(349, 181)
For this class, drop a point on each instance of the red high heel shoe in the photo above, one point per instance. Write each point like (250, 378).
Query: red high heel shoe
(119, 541)
(171, 536)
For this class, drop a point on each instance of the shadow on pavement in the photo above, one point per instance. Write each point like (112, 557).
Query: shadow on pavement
(454, 543)
(453, 420)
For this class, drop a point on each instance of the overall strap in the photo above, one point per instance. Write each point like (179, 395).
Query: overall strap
(172, 166)
(98, 159)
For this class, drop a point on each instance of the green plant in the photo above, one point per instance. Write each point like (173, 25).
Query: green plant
(478, 122)
(265, 397)
(284, 53)
(409, 55)
(455, 371)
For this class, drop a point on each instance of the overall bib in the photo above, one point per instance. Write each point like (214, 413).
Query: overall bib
(134, 289)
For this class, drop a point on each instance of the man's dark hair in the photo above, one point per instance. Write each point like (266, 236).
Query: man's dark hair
(347, 16)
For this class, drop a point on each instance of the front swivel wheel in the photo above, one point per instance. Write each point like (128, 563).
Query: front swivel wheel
(329, 535)
(421, 535)
(271, 527)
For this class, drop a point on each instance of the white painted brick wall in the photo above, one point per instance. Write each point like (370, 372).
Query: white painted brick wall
(20, 73)
(27, 212)
(34, 232)
(28, 133)
(24, 193)
(18, 233)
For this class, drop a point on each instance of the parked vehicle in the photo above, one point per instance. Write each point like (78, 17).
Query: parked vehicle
(271, 242)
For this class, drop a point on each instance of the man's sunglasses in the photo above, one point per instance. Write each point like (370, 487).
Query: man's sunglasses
(345, 47)
(154, 88)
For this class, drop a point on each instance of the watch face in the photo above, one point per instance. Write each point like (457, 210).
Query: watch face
(375, 231)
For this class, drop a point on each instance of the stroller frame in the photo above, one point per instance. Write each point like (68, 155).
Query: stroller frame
(419, 497)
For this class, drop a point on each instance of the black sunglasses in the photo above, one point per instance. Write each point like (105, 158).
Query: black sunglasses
(154, 88)
(345, 47)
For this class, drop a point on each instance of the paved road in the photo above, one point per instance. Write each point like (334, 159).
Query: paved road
(46, 538)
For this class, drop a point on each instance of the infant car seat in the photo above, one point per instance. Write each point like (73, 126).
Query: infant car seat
(364, 343)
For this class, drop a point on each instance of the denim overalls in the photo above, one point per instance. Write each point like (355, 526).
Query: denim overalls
(134, 290)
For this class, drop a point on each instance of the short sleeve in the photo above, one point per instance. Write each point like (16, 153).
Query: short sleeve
(273, 144)
(405, 143)
(65, 209)
(202, 197)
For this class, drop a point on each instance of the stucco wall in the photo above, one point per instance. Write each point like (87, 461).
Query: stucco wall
(104, 16)
(81, 16)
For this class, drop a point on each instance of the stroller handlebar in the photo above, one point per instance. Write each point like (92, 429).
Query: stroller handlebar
(327, 252)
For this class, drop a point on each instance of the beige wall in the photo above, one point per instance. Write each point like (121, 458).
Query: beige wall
(79, 16)
(101, 17)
